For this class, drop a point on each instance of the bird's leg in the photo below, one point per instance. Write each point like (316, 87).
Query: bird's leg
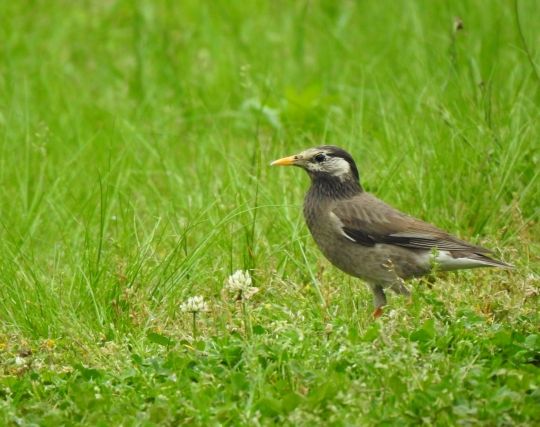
(399, 288)
(379, 299)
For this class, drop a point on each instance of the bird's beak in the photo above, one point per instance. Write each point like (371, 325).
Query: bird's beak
(285, 161)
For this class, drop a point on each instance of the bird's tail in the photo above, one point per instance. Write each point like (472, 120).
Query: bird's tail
(467, 259)
(490, 261)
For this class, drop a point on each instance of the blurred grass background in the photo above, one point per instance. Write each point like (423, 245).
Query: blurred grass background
(135, 139)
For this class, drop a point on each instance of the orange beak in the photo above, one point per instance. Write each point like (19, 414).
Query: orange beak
(285, 161)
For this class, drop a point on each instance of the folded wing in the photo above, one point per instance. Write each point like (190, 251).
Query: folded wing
(368, 221)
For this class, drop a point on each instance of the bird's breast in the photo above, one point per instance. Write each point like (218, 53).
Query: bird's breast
(378, 263)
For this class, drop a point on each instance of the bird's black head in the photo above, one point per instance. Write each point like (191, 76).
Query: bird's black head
(324, 162)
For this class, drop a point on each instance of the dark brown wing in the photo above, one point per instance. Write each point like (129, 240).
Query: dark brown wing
(367, 220)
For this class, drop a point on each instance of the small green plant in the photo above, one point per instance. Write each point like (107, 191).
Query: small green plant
(239, 286)
(194, 306)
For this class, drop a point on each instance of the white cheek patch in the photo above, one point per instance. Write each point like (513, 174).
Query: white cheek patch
(335, 166)
(338, 166)
(314, 167)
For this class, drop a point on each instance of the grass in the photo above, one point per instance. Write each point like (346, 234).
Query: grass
(135, 139)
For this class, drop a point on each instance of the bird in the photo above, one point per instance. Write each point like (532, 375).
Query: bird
(369, 239)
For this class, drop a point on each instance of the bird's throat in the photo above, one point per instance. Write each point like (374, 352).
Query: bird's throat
(334, 187)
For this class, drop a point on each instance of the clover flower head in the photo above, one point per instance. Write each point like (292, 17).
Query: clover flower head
(195, 304)
(240, 283)
(239, 280)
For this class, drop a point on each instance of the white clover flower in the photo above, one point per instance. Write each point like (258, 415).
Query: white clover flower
(195, 304)
(248, 293)
(240, 283)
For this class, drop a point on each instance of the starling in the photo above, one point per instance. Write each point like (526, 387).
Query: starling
(366, 238)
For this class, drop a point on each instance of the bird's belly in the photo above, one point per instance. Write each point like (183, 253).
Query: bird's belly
(379, 263)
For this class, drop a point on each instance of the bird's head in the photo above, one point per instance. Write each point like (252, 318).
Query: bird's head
(325, 162)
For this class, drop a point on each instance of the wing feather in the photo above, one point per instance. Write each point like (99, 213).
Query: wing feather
(367, 221)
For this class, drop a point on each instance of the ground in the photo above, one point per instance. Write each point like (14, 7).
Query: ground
(135, 142)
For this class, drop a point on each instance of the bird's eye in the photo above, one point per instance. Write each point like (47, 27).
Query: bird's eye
(319, 158)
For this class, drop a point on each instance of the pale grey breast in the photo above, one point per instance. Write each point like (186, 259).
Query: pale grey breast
(378, 263)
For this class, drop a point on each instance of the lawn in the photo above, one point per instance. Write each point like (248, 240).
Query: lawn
(135, 142)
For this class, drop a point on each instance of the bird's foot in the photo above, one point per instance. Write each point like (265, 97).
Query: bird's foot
(378, 312)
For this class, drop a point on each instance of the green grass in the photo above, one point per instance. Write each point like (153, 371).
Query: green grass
(135, 139)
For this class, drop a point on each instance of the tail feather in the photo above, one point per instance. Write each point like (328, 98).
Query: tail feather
(490, 261)
(452, 260)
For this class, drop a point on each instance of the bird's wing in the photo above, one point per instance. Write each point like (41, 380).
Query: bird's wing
(367, 221)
